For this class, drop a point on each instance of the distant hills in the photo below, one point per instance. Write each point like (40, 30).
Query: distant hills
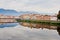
(8, 12)
(16, 13)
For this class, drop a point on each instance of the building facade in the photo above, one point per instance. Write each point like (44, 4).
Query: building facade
(36, 17)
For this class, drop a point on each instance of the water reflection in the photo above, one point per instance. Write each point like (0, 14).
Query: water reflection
(58, 29)
(8, 25)
(32, 25)
(42, 26)
(25, 32)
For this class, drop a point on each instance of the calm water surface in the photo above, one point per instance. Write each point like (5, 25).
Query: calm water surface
(29, 31)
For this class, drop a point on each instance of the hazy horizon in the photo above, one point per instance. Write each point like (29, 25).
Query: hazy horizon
(44, 6)
(13, 12)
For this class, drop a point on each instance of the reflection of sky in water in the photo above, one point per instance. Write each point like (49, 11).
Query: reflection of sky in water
(24, 33)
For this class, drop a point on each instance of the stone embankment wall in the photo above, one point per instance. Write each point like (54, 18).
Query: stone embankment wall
(6, 18)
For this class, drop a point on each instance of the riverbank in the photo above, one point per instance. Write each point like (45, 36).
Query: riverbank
(49, 22)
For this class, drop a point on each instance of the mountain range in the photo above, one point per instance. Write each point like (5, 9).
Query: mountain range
(16, 13)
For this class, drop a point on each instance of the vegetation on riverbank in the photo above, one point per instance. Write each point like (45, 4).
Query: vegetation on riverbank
(58, 16)
(40, 21)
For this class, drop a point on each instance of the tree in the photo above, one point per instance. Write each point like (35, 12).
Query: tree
(58, 16)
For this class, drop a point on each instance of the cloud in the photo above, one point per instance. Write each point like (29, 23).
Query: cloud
(31, 5)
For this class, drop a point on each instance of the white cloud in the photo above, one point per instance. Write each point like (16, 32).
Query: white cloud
(32, 5)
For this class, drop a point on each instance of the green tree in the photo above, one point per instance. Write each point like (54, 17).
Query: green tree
(58, 16)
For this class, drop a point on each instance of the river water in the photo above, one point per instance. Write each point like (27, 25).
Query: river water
(29, 31)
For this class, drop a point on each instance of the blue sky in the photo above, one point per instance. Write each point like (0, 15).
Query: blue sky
(47, 6)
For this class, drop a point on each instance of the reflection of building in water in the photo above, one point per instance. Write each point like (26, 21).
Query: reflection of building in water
(58, 30)
(32, 25)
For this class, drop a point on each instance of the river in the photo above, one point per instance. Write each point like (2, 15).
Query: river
(29, 31)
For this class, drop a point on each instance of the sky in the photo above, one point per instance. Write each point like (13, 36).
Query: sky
(47, 6)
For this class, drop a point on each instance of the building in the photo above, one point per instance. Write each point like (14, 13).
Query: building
(6, 18)
(54, 18)
(25, 17)
(35, 17)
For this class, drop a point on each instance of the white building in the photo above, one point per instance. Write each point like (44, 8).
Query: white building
(53, 18)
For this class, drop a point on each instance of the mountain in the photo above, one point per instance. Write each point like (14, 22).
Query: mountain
(28, 12)
(14, 12)
(8, 12)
